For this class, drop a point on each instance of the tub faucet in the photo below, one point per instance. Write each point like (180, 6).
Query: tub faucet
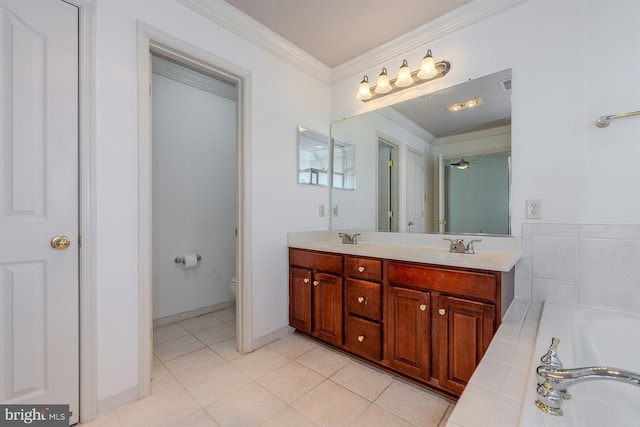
(553, 380)
(348, 239)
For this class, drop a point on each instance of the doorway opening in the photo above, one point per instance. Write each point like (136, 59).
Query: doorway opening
(154, 42)
(387, 186)
(194, 210)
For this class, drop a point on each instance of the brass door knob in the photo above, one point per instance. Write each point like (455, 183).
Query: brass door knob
(410, 223)
(423, 307)
(360, 338)
(442, 312)
(306, 280)
(360, 269)
(60, 242)
(360, 299)
(315, 283)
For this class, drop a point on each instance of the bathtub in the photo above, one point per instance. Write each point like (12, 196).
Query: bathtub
(588, 337)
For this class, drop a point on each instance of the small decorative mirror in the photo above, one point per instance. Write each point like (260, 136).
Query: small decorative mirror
(313, 157)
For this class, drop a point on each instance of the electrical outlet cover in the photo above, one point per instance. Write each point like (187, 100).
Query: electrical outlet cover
(534, 209)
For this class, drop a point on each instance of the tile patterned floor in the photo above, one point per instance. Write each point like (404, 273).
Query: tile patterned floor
(200, 380)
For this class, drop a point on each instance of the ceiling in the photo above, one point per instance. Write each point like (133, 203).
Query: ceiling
(429, 111)
(335, 31)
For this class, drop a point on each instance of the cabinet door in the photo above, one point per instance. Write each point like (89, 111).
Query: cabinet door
(409, 331)
(300, 299)
(466, 329)
(327, 307)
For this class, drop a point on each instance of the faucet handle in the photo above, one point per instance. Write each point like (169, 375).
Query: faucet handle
(550, 359)
(470, 249)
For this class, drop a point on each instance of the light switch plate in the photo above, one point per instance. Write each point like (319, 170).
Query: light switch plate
(321, 210)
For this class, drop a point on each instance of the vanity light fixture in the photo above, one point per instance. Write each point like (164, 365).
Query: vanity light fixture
(404, 75)
(429, 70)
(463, 105)
(383, 85)
(364, 91)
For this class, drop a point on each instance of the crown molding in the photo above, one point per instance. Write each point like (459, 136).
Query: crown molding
(465, 15)
(393, 116)
(242, 25)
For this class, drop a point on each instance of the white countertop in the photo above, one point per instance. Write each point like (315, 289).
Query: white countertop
(492, 253)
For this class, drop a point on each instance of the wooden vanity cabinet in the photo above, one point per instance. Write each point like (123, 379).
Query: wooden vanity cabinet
(363, 307)
(465, 329)
(409, 331)
(426, 322)
(315, 294)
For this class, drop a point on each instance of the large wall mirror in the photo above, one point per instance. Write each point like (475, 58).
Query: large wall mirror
(438, 163)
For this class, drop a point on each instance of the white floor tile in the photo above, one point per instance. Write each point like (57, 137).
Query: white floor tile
(331, 405)
(252, 405)
(290, 381)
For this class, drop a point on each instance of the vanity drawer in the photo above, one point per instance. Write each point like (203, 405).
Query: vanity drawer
(363, 299)
(363, 338)
(322, 261)
(363, 268)
(458, 282)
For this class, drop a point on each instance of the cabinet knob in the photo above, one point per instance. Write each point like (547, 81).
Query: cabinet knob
(423, 307)
(315, 283)
(442, 311)
(306, 280)
(360, 269)
(360, 338)
(360, 299)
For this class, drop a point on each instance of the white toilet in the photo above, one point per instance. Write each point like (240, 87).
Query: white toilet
(233, 287)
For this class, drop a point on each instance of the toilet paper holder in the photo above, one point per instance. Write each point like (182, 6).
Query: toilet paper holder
(180, 260)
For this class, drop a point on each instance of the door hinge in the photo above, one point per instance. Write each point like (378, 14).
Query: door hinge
(390, 213)
(390, 163)
(80, 241)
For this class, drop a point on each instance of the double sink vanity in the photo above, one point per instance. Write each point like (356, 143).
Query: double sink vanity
(402, 302)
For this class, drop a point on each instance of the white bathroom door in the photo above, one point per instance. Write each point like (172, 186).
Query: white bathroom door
(39, 201)
(415, 192)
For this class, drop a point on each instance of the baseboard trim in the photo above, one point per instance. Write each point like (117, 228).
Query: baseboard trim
(192, 313)
(273, 336)
(117, 400)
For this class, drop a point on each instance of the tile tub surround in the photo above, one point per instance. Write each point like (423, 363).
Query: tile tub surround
(586, 265)
(492, 253)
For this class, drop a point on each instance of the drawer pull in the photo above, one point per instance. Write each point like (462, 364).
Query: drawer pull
(306, 280)
(442, 312)
(360, 299)
(423, 307)
(360, 338)
(360, 269)
(315, 283)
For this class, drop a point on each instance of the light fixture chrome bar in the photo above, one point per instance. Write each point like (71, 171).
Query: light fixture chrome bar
(443, 68)
(605, 121)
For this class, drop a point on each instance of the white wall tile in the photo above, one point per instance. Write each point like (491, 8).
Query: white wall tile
(609, 298)
(598, 231)
(608, 262)
(555, 258)
(523, 279)
(554, 230)
(554, 290)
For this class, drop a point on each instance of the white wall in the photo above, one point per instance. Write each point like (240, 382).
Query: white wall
(194, 192)
(282, 97)
(561, 54)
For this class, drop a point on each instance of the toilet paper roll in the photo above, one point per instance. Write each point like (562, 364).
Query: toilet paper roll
(190, 261)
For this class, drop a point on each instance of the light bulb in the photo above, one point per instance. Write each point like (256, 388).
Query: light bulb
(364, 91)
(404, 75)
(383, 85)
(428, 68)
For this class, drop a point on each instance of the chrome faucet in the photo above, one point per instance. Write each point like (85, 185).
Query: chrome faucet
(348, 239)
(457, 246)
(553, 380)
